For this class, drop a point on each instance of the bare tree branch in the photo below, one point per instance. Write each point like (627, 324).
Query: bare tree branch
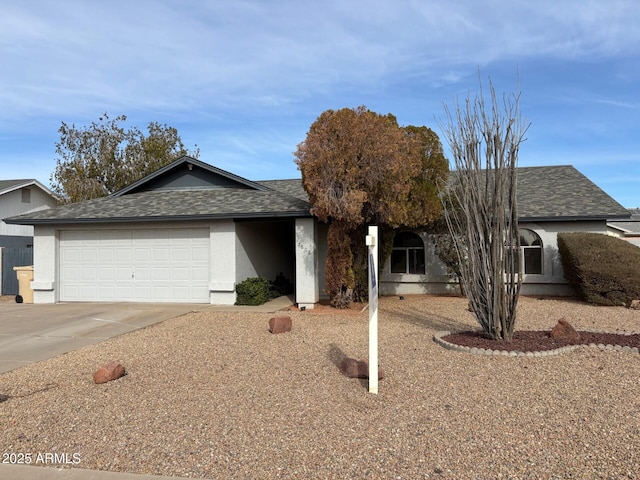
(480, 206)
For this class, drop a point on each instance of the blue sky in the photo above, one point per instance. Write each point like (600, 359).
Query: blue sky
(245, 79)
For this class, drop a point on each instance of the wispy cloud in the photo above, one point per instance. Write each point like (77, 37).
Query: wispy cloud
(244, 79)
(179, 54)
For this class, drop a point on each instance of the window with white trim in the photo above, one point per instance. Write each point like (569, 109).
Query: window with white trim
(407, 255)
(531, 251)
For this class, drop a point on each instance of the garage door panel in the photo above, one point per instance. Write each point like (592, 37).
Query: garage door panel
(163, 291)
(200, 275)
(142, 274)
(142, 293)
(122, 292)
(161, 275)
(153, 265)
(70, 255)
(108, 290)
(161, 254)
(88, 275)
(123, 274)
(88, 291)
(123, 254)
(142, 255)
(71, 273)
(180, 274)
(106, 255)
(200, 251)
(180, 254)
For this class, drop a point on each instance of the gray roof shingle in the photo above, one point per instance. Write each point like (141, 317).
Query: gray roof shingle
(562, 192)
(174, 205)
(631, 226)
(550, 193)
(291, 187)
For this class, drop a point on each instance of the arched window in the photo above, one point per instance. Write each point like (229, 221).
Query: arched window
(407, 255)
(531, 246)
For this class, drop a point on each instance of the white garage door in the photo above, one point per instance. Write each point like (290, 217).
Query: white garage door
(153, 265)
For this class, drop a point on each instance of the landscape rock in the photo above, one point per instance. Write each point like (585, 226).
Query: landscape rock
(564, 332)
(108, 372)
(353, 368)
(280, 324)
(635, 304)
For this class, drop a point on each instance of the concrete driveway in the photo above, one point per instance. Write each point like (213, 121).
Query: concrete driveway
(31, 333)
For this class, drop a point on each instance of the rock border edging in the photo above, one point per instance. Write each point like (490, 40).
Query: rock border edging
(438, 338)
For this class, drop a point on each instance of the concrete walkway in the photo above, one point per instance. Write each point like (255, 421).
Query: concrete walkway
(31, 333)
(28, 472)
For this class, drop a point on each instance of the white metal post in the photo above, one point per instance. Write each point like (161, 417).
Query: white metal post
(372, 243)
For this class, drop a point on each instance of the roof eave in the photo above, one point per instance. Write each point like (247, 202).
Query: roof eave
(163, 218)
(576, 218)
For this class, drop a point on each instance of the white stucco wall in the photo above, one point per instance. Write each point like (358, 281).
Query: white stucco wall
(434, 281)
(45, 264)
(306, 247)
(223, 262)
(550, 282)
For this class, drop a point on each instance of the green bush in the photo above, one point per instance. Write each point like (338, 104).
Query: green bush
(604, 269)
(254, 291)
(259, 290)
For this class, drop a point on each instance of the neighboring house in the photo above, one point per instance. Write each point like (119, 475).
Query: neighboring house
(190, 232)
(628, 230)
(16, 241)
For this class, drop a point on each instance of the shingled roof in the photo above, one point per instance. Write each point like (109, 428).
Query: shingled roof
(199, 192)
(630, 226)
(557, 193)
(553, 193)
(7, 186)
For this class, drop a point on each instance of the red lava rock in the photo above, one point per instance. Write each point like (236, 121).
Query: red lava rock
(108, 372)
(353, 368)
(280, 324)
(563, 331)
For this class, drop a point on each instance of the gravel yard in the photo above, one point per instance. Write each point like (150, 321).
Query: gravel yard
(215, 395)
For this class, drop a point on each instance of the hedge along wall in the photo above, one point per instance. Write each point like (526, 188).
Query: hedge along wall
(604, 269)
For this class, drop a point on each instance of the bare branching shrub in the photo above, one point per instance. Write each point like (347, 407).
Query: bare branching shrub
(480, 206)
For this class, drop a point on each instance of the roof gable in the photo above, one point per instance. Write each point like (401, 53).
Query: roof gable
(7, 186)
(187, 173)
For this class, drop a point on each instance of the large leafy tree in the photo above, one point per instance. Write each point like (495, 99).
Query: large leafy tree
(104, 157)
(359, 168)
